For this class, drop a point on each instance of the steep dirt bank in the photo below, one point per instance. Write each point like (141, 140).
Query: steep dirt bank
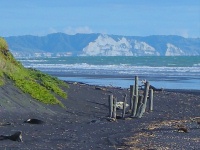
(13, 100)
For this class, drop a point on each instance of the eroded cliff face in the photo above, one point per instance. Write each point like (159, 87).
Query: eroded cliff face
(173, 51)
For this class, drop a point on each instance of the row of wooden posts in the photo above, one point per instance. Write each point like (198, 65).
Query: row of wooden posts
(138, 103)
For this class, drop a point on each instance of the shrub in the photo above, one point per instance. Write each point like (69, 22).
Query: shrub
(3, 44)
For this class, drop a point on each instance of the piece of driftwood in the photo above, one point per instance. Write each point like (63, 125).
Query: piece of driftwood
(114, 108)
(110, 102)
(140, 104)
(124, 107)
(131, 96)
(144, 99)
(135, 103)
(151, 100)
(146, 93)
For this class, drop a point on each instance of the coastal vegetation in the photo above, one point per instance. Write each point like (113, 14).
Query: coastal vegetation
(40, 86)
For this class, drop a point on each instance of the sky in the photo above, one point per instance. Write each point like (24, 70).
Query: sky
(117, 17)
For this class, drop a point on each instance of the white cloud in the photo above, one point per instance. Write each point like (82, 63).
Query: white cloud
(72, 31)
(52, 30)
(184, 33)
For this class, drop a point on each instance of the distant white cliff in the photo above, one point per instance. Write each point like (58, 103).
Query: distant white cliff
(107, 46)
(173, 50)
(142, 48)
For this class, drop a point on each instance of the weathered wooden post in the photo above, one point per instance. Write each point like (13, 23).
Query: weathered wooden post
(124, 107)
(134, 110)
(140, 104)
(151, 100)
(114, 108)
(110, 102)
(131, 96)
(145, 99)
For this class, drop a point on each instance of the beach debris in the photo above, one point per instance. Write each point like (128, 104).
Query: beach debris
(111, 119)
(196, 119)
(110, 102)
(76, 83)
(124, 106)
(5, 123)
(17, 136)
(150, 86)
(94, 121)
(182, 128)
(120, 105)
(34, 121)
(144, 101)
(100, 88)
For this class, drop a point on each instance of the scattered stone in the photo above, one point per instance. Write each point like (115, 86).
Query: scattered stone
(34, 121)
(17, 136)
(100, 88)
(111, 119)
(5, 123)
(94, 121)
(183, 129)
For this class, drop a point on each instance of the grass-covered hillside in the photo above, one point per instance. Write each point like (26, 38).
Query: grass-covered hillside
(40, 86)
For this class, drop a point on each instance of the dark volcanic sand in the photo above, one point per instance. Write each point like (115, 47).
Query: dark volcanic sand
(83, 124)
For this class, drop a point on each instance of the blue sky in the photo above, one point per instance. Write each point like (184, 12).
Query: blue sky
(118, 17)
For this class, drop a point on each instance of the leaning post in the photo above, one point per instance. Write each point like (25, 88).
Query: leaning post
(145, 99)
(140, 104)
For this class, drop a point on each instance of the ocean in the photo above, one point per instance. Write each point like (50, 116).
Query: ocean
(182, 72)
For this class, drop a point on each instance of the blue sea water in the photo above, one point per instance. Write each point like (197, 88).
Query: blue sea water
(162, 72)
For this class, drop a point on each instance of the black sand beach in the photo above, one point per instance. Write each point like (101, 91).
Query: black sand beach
(84, 125)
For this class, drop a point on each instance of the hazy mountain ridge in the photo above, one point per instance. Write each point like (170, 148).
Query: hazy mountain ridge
(60, 44)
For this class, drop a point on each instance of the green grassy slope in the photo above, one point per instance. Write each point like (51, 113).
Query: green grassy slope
(40, 86)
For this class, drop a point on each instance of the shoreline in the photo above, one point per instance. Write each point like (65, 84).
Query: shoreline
(126, 82)
(83, 124)
(188, 91)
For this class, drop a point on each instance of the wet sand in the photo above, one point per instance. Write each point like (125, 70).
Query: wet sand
(84, 125)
